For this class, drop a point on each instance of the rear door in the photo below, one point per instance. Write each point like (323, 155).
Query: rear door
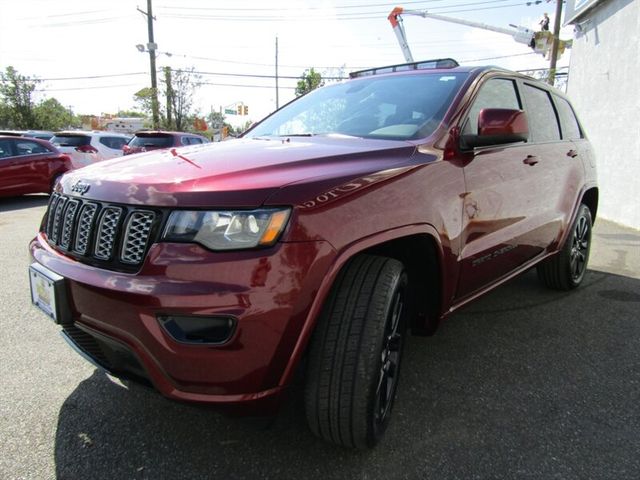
(559, 169)
(501, 202)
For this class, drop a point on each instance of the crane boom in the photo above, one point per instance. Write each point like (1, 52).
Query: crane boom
(519, 34)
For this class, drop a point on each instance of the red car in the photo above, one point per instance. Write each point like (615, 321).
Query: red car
(156, 140)
(356, 214)
(29, 165)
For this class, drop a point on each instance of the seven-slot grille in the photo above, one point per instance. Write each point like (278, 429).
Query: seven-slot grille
(99, 231)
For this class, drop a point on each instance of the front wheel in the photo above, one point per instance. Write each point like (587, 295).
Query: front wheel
(355, 353)
(565, 270)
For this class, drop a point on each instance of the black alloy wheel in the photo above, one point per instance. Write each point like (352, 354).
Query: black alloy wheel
(566, 269)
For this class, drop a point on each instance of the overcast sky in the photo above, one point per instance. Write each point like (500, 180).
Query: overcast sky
(65, 42)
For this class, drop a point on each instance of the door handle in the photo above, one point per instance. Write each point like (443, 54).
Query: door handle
(572, 154)
(530, 160)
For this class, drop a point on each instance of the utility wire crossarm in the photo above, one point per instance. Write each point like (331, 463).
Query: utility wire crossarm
(519, 34)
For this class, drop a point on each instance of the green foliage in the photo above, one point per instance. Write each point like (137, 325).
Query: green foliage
(50, 114)
(130, 114)
(16, 91)
(144, 100)
(310, 80)
(216, 120)
(18, 110)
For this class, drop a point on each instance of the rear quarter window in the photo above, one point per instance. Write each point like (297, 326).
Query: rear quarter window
(568, 121)
(543, 122)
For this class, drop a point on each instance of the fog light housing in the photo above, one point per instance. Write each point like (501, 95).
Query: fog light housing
(199, 330)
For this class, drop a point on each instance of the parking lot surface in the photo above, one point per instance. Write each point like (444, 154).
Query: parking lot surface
(524, 383)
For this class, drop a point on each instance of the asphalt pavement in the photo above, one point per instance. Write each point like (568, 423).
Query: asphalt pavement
(525, 383)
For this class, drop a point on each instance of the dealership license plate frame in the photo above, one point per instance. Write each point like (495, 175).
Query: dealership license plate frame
(49, 293)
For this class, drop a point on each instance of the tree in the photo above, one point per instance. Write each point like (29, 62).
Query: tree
(130, 114)
(180, 87)
(16, 91)
(50, 114)
(310, 80)
(144, 100)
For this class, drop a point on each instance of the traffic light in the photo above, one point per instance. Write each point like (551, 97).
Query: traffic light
(239, 109)
(246, 110)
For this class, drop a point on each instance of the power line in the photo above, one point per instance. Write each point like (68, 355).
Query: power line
(97, 87)
(338, 16)
(276, 9)
(91, 77)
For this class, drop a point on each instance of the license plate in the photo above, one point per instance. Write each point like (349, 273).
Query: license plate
(48, 293)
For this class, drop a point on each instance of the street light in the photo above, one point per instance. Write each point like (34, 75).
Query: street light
(151, 49)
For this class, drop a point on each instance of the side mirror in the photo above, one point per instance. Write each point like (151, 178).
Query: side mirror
(498, 126)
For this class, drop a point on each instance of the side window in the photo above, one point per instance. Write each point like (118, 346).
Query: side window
(196, 141)
(185, 141)
(496, 93)
(26, 147)
(568, 121)
(6, 149)
(543, 122)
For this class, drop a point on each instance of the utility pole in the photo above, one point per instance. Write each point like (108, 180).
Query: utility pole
(152, 47)
(167, 79)
(556, 43)
(277, 94)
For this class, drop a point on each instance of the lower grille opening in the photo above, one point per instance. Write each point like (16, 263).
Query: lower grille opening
(106, 353)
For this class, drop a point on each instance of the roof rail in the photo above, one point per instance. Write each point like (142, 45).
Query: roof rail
(422, 65)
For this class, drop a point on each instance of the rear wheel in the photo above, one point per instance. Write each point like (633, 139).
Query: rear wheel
(356, 351)
(566, 270)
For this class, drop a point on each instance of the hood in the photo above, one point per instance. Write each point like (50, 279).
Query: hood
(237, 173)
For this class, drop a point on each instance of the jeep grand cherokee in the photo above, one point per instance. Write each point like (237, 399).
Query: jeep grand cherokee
(356, 214)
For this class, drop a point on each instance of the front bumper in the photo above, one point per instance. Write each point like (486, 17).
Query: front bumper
(269, 292)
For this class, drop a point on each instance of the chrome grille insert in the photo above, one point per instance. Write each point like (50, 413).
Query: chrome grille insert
(99, 233)
(57, 218)
(68, 223)
(107, 231)
(136, 235)
(87, 214)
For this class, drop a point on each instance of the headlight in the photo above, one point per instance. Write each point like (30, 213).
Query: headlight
(227, 230)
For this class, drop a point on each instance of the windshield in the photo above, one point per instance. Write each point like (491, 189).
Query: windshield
(394, 107)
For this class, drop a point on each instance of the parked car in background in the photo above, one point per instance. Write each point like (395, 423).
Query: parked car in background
(86, 148)
(155, 140)
(41, 134)
(29, 165)
(356, 214)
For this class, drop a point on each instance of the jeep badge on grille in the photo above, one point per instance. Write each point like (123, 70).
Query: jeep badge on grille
(80, 187)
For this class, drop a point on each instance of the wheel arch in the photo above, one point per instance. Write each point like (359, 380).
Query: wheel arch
(426, 270)
(590, 199)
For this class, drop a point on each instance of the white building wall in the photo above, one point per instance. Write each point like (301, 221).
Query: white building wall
(604, 86)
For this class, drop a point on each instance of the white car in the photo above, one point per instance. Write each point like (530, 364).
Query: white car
(86, 148)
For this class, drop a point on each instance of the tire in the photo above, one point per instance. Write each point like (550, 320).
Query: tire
(355, 354)
(566, 269)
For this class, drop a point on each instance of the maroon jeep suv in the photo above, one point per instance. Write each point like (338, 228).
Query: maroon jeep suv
(353, 216)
